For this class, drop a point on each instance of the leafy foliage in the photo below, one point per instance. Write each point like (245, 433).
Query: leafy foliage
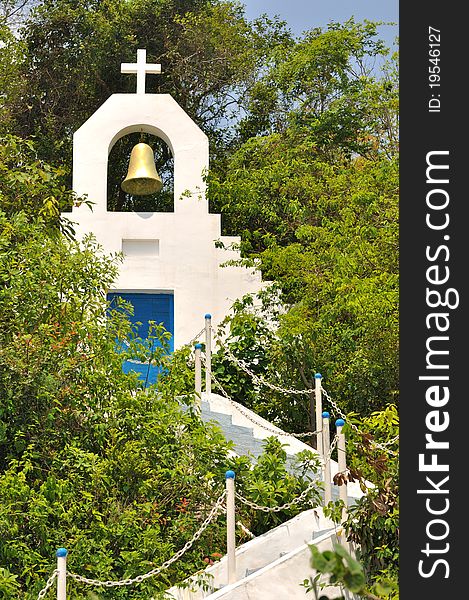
(32, 186)
(372, 523)
(121, 477)
(345, 571)
(314, 194)
(273, 482)
(319, 87)
(305, 168)
(333, 257)
(11, 58)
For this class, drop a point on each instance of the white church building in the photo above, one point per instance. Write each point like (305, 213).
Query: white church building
(173, 273)
(172, 270)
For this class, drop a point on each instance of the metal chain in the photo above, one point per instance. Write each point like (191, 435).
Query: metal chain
(239, 408)
(268, 509)
(301, 435)
(190, 343)
(196, 337)
(257, 378)
(218, 507)
(384, 449)
(245, 530)
(333, 445)
(390, 442)
(260, 380)
(355, 428)
(49, 584)
(305, 434)
(337, 409)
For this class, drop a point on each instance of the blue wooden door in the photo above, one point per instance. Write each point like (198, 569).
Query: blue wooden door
(148, 307)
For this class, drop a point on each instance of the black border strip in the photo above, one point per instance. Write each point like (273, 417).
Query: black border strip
(434, 266)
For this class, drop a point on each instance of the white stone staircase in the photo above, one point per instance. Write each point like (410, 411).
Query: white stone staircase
(248, 431)
(274, 564)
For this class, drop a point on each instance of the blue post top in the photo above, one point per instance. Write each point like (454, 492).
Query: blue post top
(318, 376)
(339, 423)
(208, 316)
(230, 475)
(325, 415)
(61, 552)
(198, 346)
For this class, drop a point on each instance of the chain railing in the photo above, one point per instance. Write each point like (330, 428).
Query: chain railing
(274, 509)
(389, 442)
(258, 379)
(333, 445)
(225, 502)
(218, 507)
(195, 338)
(248, 415)
(254, 376)
(49, 584)
(380, 445)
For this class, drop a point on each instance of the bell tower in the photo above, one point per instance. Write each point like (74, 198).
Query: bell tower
(166, 255)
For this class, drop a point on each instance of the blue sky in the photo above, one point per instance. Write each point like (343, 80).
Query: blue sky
(305, 14)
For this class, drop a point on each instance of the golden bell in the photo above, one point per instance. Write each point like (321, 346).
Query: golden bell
(142, 178)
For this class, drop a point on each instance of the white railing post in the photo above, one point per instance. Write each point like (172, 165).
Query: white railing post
(326, 441)
(208, 353)
(342, 462)
(312, 414)
(318, 395)
(198, 374)
(61, 555)
(230, 526)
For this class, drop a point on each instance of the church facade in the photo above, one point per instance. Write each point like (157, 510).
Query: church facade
(172, 270)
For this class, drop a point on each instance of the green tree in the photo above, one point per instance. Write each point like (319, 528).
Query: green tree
(123, 477)
(73, 52)
(344, 571)
(32, 186)
(373, 522)
(320, 85)
(87, 461)
(310, 179)
(11, 57)
(332, 253)
(312, 186)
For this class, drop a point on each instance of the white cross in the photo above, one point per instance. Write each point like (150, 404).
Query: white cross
(141, 68)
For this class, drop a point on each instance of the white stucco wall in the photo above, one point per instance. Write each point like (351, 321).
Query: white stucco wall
(187, 263)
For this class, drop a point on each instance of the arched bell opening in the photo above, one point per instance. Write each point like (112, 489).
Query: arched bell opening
(123, 165)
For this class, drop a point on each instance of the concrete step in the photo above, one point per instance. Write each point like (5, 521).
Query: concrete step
(255, 556)
(243, 438)
(248, 431)
(246, 440)
(282, 578)
(282, 554)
